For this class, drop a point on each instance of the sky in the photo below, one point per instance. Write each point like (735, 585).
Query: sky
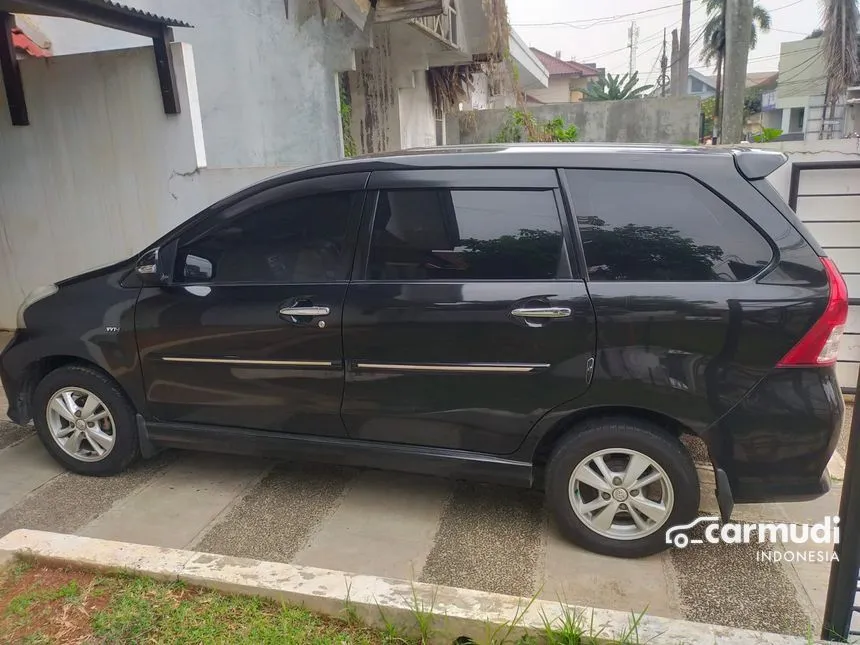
(597, 31)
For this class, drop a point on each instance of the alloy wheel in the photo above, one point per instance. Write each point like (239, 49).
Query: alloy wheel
(81, 424)
(621, 493)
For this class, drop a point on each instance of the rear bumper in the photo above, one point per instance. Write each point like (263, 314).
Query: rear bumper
(774, 445)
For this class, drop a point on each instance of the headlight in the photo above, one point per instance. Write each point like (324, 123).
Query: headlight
(37, 294)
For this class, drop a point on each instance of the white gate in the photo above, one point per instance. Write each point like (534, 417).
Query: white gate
(826, 197)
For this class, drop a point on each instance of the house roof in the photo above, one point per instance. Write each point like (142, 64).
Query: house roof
(710, 81)
(104, 12)
(754, 79)
(558, 67)
(23, 43)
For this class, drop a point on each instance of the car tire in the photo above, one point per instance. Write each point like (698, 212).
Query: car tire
(672, 497)
(113, 418)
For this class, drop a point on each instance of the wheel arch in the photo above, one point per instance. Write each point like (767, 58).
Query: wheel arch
(38, 369)
(565, 425)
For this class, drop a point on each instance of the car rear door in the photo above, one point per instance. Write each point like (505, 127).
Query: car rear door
(466, 320)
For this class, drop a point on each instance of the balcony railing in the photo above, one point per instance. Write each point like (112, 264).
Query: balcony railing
(443, 27)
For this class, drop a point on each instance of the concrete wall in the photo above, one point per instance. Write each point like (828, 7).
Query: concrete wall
(417, 121)
(101, 171)
(391, 107)
(801, 73)
(267, 84)
(669, 120)
(375, 113)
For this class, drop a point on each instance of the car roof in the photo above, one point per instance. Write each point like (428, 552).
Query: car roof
(533, 155)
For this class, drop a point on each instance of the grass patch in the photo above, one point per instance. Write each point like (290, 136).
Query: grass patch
(43, 605)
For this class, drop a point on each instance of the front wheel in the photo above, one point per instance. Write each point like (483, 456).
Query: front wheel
(85, 421)
(615, 485)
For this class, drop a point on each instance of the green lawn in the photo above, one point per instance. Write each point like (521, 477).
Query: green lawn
(42, 605)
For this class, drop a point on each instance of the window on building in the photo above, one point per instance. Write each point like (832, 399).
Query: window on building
(796, 119)
(696, 86)
(467, 235)
(654, 226)
(282, 242)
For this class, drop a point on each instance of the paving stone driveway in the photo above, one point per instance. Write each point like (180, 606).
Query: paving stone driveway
(483, 537)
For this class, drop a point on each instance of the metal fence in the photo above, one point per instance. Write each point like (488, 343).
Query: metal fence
(842, 612)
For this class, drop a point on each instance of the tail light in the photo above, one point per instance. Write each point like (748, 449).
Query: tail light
(820, 345)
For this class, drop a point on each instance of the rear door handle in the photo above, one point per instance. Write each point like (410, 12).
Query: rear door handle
(541, 312)
(312, 312)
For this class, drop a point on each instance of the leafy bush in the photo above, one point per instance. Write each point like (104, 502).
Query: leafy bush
(767, 134)
(523, 126)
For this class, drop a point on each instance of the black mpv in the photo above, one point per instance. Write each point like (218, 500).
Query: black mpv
(551, 315)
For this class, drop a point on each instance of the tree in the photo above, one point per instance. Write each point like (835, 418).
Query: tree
(615, 88)
(714, 40)
(840, 48)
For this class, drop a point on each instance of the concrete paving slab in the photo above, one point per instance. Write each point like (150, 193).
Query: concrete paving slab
(573, 575)
(69, 501)
(176, 506)
(10, 433)
(24, 467)
(274, 519)
(490, 538)
(384, 524)
(730, 585)
(813, 511)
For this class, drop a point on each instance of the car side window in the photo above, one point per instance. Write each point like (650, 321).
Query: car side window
(445, 234)
(295, 240)
(661, 226)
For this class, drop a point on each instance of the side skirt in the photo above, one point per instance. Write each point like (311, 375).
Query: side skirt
(440, 462)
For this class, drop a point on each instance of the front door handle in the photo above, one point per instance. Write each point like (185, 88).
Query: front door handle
(311, 312)
(541, 312)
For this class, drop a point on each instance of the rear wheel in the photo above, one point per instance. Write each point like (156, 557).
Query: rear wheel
(616, 484)
(85, 421)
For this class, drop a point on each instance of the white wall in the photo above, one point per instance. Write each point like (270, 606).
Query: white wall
(801, 73)
(558, 91)
(267, 84)
(417, 121)
(101, 171)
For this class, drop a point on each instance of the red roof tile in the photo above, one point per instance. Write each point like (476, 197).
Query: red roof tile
(22, 42)
(558, 67)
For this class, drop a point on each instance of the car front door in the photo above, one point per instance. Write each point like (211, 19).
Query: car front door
(466, 320)
(248, 332)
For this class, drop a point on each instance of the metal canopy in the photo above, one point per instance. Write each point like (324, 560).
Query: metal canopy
(98, 12)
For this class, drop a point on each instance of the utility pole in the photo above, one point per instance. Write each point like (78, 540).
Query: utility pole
(632, 43)
(684, 50)
(738, 22)
(674, 72)
(663, 79)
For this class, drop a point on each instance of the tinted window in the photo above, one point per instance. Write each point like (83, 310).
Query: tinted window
(467, 235)
(298, 240)
(661, 226)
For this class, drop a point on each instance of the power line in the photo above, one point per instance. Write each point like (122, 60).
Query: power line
(621, 17)
(601, 20)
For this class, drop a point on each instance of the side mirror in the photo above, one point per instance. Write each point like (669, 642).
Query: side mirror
(150, 269)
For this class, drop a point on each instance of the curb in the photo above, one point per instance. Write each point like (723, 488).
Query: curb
(456, 612)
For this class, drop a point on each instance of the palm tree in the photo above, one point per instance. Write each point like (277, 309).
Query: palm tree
(840, 49)
(714, 40)
(615, 88)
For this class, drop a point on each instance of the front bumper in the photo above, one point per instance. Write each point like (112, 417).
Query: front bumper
(774, 445)
(13, 386)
